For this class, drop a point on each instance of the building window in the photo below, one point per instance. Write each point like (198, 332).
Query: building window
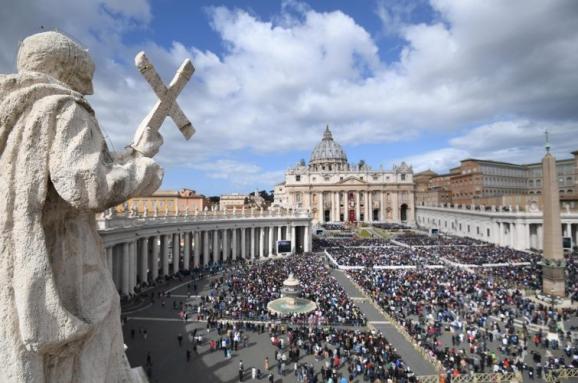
(297, 178)
(403, 177)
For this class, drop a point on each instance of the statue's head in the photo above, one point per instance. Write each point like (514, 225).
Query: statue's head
(56, 55)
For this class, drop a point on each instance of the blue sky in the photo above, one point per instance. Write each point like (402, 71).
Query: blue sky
(428, 82)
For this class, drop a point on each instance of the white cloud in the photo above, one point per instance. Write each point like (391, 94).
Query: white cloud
(440, 160)
(516, 141)
(240, 174)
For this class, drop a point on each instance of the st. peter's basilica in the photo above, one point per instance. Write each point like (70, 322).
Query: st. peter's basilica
(336, 191)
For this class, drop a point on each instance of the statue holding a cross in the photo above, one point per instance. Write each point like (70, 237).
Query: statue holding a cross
(59, 308)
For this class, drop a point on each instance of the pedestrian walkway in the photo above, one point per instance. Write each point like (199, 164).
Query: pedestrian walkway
(377, 320)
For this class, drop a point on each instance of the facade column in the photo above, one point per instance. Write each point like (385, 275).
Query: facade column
(197, 249)
(321, 208)
(338, 197)
(234, 249)
(357, 208)
(243, 243)
(540, 236)
(568, 231)
(225, 239)
(125, 276)
(279, 233)
(155, 257)
(216, 250)
(293, 239)
(366, 207)
(306, 239)
(165, 254)
(381, 195)
(261, 242)
(370, 206)
(186, 250)
(252, 249)
(270, 240)
(144, 257)
(206, 247)
(176, 252)
(395, 208)
(346, 206)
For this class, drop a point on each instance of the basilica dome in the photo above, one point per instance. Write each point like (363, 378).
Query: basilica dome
(328, 153)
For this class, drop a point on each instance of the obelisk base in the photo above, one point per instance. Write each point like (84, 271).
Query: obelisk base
(554, 280)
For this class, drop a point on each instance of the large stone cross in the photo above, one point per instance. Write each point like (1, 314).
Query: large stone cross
(166, 105)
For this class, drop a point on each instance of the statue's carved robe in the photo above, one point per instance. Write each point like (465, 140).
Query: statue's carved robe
(59, 308)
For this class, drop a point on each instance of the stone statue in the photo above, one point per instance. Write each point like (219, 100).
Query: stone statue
(59, 308)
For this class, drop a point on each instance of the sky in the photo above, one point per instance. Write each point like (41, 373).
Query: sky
(426, 82)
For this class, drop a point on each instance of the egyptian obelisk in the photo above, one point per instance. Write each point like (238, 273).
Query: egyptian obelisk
(553, 269)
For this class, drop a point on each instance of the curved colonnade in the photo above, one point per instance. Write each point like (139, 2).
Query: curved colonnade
(141, 249)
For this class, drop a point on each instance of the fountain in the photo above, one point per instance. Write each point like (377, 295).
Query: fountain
(290, 301)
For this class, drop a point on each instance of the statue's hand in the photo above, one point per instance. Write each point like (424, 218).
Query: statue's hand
(148, 143)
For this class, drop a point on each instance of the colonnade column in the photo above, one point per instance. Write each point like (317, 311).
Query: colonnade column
(216, 250)
(176, 252)
(261, 242)
(270, 248)
(234, 244)
(252, 243)
(279, 233)
(155, 257)
(165, 254)
(540, 237)
(243, 243)
(144, 257)
(205, 247)
(186, 250)
(225, 239)
(196, 259)
(133, 266)
(124, 288)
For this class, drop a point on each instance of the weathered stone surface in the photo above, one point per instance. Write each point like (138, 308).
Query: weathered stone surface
(59, 309)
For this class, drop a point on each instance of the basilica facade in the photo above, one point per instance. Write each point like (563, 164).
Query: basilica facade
(335, 191)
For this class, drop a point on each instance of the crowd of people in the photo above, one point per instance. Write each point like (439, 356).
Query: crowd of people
(417, 239)
(471, 322)
(363, 354)
(382, 256)
(391, 226)
(244, 290)
(422, 250)
(479, 255)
